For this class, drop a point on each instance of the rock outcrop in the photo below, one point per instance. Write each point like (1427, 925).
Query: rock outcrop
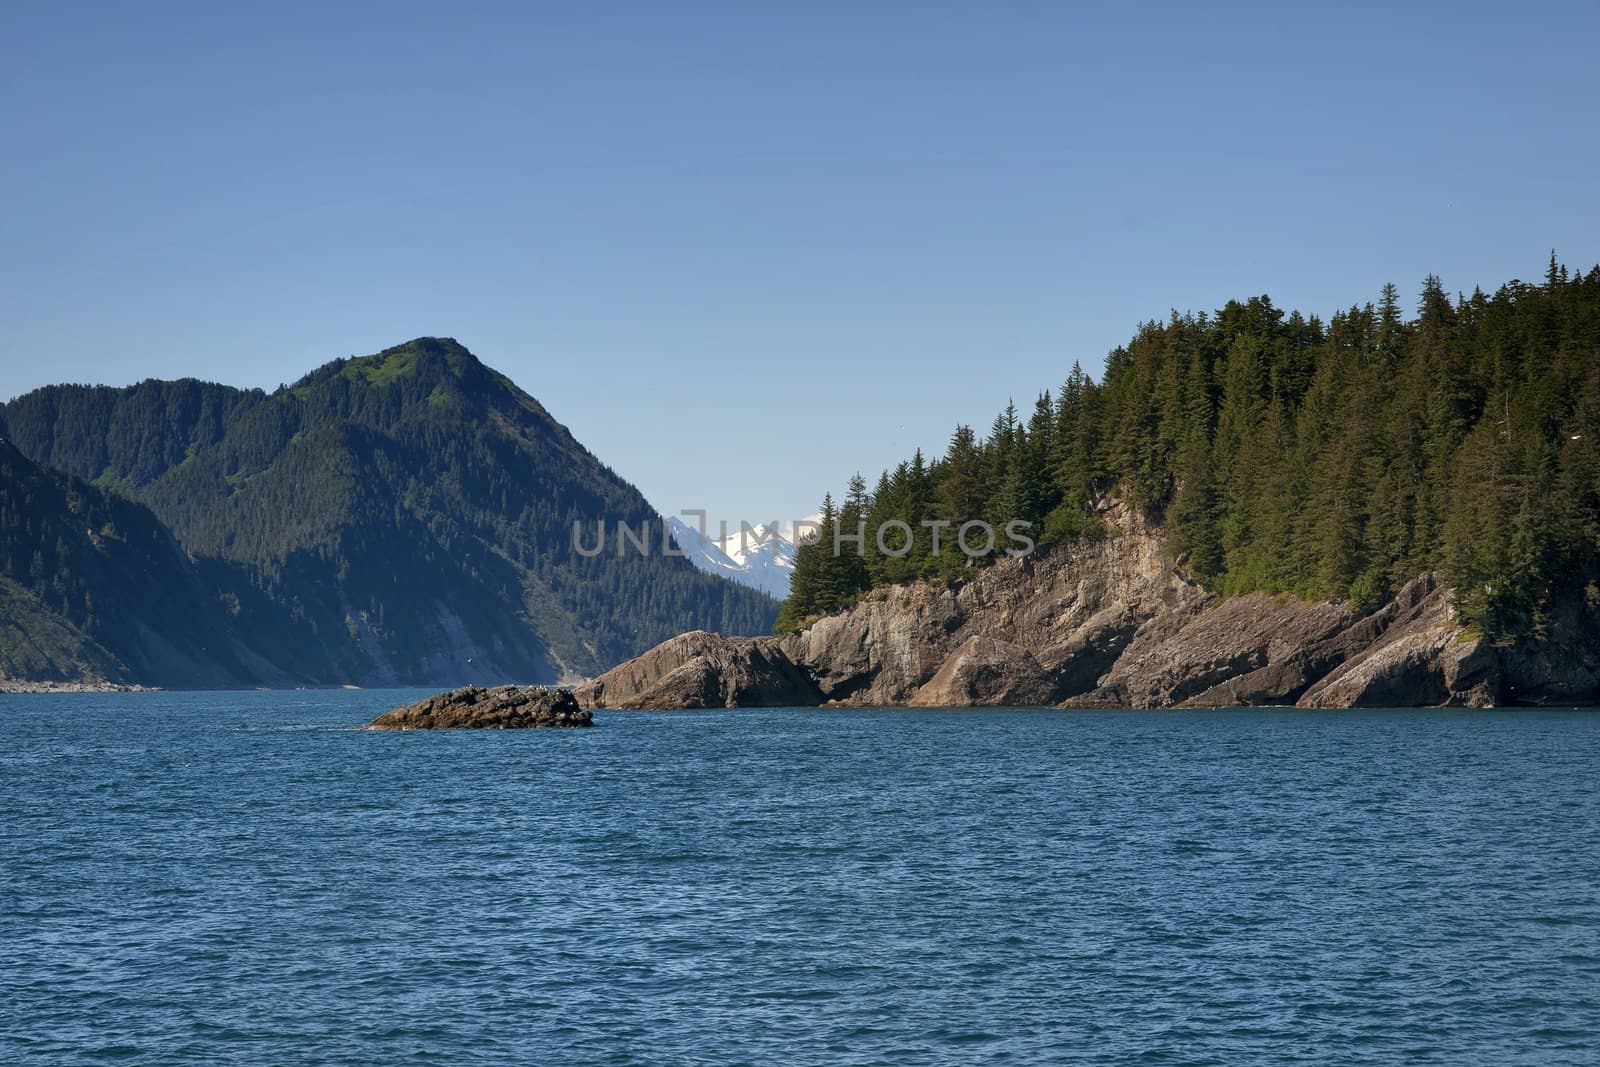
(985, 670)
(703, 670)
(1422, 656)
(1074, 611)
(1237, 651)
(1564, 667)
(506, 707)
(1114, 623)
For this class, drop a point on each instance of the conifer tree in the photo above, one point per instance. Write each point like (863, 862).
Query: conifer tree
(1336, 460)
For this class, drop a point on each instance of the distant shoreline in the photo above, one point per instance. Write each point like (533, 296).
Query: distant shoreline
(14, 686)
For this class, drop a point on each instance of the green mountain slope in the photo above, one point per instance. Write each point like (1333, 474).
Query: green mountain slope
(38, 645)
(94, 588)
(404, 517)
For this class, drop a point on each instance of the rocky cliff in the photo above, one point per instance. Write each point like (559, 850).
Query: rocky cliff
(1114, 623)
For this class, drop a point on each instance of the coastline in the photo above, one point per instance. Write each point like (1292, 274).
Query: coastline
(10, 685)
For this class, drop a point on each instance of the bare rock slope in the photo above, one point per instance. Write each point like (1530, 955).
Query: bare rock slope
(703, 670)
(1109, 623)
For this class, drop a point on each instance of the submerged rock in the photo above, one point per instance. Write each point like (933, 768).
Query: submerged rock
(506, 707)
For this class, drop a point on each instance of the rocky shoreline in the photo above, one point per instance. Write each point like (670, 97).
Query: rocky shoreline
(8, 685)
(1115, 623)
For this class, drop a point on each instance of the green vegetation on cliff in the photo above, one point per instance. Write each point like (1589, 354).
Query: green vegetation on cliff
(1287, 454)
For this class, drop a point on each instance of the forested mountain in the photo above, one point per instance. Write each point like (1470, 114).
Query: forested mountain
(1286, 454)
(93, 587)
(404, 517)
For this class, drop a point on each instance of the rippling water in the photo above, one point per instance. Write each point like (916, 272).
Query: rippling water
(243, 878)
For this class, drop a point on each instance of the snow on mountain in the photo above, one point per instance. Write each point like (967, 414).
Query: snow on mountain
(761, 557)
(747, 546)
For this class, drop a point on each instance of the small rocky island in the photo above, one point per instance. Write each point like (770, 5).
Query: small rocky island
(506, 707)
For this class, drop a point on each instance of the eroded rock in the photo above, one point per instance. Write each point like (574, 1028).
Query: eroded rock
(1115, 623)
(1422, 658)
(506, 707)
(704, 670)
(984, 671)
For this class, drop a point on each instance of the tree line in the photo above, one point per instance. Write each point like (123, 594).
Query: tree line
(1286, 454)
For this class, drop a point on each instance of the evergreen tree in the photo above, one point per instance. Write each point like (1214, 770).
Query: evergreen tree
(1336, 460)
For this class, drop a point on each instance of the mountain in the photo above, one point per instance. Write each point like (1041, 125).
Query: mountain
(403, 518)
(761, 557)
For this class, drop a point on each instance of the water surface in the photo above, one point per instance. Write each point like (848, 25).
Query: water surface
(244, 878)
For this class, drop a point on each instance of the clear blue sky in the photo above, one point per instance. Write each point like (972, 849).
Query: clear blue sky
(745, 249)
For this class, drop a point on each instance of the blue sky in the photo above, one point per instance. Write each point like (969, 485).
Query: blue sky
(743, 250)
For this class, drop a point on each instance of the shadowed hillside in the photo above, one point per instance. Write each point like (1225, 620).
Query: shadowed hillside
(404, 517)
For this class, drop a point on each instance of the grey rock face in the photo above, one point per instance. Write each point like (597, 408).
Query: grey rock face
(1564, 668)
(703, 670)
(1421, 657)
(1074, 611)
(986, 671)
(1114, 623)
(1223, 652)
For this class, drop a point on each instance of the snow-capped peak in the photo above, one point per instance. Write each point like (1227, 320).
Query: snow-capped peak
(744, 544)
(759, 556)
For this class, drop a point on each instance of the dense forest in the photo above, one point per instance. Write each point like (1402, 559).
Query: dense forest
(1286, 454)
(382, 515)
(93, 587)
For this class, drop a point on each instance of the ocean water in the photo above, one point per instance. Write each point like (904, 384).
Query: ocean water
(246, 878)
